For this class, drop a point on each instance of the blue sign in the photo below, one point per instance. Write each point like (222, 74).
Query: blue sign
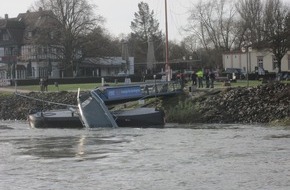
(123, 92)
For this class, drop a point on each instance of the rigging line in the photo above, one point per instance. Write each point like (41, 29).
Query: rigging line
(175, 21)
(186, 5)
(49, 102)
(158, 9)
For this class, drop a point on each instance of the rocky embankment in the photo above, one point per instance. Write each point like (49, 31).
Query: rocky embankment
(262, 104)
(16, 107)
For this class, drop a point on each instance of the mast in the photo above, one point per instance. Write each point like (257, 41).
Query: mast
(167, 66)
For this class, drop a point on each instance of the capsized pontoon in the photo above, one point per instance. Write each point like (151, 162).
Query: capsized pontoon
(92, 112)
(69, 118)
(139, 117)
(62, 118)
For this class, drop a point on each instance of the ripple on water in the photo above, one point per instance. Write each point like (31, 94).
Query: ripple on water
(194, 157)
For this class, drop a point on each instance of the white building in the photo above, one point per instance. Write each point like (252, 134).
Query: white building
(256, 59)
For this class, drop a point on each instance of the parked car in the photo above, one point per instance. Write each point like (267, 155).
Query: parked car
(186, 75)
(239, 73)
(122, 74)
(285, 75)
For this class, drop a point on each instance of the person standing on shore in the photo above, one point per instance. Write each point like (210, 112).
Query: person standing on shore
(207, 78)
(193, 78)
(212, 78)
(41, 84)
(45, 83)
(200, 78)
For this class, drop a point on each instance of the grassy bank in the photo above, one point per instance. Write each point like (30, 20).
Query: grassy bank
(258, 104)
(89, 86)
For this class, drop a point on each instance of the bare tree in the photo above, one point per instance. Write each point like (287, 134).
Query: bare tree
(276, 29)
(71, 19)
(251, 22)
(213, 23)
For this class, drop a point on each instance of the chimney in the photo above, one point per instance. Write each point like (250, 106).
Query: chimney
(6, 16)
(40, 9)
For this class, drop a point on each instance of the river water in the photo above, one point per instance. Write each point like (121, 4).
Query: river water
(218, 157)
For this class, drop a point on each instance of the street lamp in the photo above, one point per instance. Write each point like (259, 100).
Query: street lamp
(247, 50)
(190, 62)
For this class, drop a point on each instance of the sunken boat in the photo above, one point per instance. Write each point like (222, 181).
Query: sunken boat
(61, 118)
(92, 112)
(69, 118)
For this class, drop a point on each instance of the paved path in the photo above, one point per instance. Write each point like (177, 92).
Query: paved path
(12, 90)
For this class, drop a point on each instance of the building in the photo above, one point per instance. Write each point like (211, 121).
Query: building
(252, 61)
(19, 48)
(107, 66)
(11, 35)
(22, 56)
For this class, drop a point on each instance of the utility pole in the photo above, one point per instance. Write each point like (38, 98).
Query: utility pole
(167, 66)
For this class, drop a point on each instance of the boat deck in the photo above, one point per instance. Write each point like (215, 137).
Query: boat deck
(58, 114)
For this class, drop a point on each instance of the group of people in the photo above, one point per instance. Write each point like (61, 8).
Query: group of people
(199, 76)
(43, 84)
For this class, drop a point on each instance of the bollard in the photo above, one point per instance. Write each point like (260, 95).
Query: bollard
(41, 83)
(56, 85)
(103, 81)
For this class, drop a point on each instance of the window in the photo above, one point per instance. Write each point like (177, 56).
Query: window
(260, 61)
(33, 71)
(2, 52)
(29, 34)
(5, 37)
(8, 51)
(51, 34)
(39, 50)
(45, 50)
(42, 71)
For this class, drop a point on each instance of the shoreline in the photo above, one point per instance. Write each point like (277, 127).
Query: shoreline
(264, 104)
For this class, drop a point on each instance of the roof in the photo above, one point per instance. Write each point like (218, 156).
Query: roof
(19, 27)
(102, 62)
(15, 28)
(34, 21)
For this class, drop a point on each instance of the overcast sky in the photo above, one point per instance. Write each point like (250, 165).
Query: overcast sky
(120, 13)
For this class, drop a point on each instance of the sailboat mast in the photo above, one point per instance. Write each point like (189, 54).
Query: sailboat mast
(167, 66)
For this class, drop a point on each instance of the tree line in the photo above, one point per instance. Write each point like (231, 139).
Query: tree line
(214, 26)
(225, 25)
